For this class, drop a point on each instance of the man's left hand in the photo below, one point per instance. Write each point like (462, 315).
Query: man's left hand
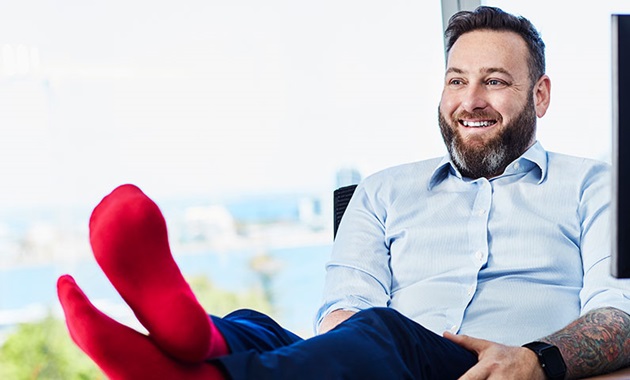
(497, 361)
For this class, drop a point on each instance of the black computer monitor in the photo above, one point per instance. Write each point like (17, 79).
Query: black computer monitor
(621, 146)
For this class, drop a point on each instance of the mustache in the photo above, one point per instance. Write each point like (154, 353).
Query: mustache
(477, 115)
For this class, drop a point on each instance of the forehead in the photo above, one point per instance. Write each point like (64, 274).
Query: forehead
(482, 49)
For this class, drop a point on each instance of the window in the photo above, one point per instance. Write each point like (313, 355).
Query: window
(235, 118)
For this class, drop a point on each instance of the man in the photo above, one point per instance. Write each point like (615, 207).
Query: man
(501, 243)
(479, 206)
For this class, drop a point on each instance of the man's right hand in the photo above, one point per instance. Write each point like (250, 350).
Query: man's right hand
(333, 319)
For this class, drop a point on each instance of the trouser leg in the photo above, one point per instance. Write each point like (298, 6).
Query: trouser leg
(246, 330)
(377, 343)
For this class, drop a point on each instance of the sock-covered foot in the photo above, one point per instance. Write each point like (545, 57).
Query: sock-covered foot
(121, 352)
(129, 239)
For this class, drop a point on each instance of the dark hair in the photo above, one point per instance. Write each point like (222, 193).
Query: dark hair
(492, 18)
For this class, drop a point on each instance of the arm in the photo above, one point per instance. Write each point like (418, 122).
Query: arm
(596, 343)
(358, 274)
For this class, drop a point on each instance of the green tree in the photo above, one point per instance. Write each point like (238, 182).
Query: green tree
(44, 351)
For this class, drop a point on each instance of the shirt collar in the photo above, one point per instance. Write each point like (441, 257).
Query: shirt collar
(534, 158)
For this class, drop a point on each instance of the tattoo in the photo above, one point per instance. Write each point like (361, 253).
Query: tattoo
(598, 342)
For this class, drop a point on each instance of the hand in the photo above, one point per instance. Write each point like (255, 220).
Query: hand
(497, 361)
(333, 319)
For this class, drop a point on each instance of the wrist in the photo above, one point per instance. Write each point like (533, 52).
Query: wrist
(531, 359)
(549, 358)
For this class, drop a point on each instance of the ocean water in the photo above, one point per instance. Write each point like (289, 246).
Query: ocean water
(296, 286)
(29, 292)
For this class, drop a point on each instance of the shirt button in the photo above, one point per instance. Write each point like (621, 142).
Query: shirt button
(517, 166)
(471, 289)
(479, 255)
(454, 329)
(481, 211)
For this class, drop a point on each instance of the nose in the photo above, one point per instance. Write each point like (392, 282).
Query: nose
(474, 98)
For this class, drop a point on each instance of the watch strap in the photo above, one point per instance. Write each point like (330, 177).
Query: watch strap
(550, 359)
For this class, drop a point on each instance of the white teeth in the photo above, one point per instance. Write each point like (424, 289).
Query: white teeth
(477, 124)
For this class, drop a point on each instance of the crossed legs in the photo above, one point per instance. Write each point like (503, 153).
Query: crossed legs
(129, 240)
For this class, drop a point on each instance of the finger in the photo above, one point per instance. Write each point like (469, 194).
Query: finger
(452, 337)
(467, 342)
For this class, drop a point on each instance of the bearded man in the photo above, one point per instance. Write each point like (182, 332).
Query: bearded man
(489, 263)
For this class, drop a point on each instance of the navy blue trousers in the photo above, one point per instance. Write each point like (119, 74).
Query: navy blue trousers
(377, 343)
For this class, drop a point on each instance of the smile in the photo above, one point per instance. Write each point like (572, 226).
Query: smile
(477, 124)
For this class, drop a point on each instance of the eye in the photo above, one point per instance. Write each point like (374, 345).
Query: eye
(495, 82)
(455, 82)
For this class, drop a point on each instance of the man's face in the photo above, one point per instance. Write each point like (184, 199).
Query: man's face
(488, 108)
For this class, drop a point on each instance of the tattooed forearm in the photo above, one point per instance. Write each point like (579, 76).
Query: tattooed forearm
(596, 343)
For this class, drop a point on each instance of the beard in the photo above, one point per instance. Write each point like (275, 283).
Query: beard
(476, 158)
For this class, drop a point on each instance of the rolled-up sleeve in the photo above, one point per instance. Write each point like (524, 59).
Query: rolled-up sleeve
(600, 289)
(358, 276)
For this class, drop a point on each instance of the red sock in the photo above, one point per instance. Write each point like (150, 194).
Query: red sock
(130, 242)
(121, 352)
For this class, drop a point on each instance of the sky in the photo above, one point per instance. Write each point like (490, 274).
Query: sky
(211, 97)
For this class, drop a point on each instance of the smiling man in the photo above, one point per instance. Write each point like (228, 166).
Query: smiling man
(500, 240)
(489, 263)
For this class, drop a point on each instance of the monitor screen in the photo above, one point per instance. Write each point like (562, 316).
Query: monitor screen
(621, 146)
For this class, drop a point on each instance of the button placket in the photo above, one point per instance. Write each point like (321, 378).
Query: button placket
(478, 225)
(471, 290)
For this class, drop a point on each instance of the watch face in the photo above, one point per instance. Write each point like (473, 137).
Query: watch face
(550, 359)
(554, 364)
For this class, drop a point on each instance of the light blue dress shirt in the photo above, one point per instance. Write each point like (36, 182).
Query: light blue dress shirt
(510, 259)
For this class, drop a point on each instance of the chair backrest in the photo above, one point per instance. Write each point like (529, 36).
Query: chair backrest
(341, 198)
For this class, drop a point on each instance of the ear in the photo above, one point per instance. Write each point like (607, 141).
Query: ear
(542, 95)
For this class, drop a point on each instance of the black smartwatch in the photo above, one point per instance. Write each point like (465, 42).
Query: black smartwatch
(550, 359)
